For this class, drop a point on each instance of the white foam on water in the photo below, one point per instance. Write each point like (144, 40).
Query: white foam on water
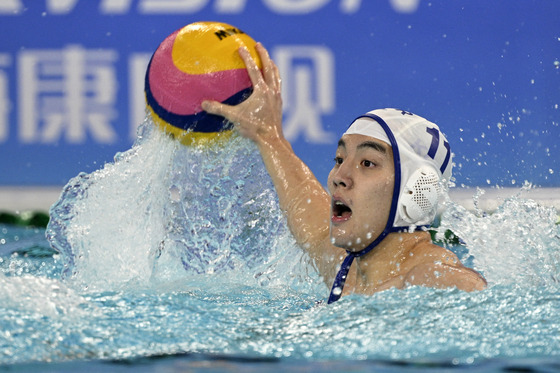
(39, 296)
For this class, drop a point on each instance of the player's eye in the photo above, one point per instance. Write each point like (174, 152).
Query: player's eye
(367, 163)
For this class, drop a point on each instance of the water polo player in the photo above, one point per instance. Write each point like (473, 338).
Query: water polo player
(366, 234)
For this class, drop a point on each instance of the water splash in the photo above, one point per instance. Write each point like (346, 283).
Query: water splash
(39, 296)
(519, 243)
(163, 211)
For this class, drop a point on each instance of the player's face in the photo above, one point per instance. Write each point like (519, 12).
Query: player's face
(361, 186)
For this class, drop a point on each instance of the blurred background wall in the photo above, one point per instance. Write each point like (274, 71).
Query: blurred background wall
(488, 72)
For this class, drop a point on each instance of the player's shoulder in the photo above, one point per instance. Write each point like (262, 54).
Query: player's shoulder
(425, 251)
(435, 266)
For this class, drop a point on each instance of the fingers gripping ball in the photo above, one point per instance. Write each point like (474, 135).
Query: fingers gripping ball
(197, 62)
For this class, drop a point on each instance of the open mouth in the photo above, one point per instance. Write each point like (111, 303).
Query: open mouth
(340, 211)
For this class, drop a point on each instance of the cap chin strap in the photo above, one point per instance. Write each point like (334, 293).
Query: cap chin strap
(340, 279)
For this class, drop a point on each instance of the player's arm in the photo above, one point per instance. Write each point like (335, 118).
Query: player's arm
(301, 196)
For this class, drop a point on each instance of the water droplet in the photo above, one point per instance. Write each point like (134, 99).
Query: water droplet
(174, 193)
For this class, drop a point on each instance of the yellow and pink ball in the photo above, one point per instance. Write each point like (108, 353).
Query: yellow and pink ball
(195, 63)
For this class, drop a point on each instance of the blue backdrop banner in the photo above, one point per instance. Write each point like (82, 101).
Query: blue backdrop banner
(487, 72)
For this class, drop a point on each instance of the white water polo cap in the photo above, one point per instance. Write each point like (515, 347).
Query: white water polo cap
(422, 158)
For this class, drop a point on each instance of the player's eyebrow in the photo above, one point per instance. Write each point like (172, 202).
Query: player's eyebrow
(373, 145)
(366, 144)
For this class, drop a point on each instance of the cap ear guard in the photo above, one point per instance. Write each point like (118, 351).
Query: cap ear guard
(419, 199)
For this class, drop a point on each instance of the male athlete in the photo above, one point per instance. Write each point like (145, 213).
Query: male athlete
(366, 233)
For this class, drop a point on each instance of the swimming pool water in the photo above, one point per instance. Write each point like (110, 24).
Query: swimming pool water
(184, 252)
(44, 320)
